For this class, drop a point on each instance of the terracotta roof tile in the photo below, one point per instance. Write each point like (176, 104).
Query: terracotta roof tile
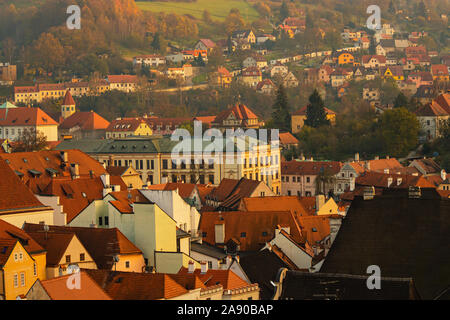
(85, 120)
(6, 247)
(95, 241)
(309, 167)
(68, 100)
(24, 116)
(55, 244)
(57, 289)
(7, 230)
(227, 278)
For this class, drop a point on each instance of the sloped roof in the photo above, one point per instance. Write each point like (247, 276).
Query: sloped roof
(227, 278)
(281, 203)
(54, 243)
(405, 237)
(367, 58)
(101, 243)
(379, 179)
(124, 124)
(239, 111)
(431, 110)
(24, 116)
(208, 43)
(125, 78)
(57, 289)
(326, 286)
(288, 138)
(85, 120)
(6, 247)
(429, 166)
(125, 199)
(144, 286)
(15, 195)
(231, 191)
(68, 99)
(309, 167)
(7, 230)
(259, 227)
(439, 70)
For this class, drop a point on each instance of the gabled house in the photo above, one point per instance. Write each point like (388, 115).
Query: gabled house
(205, 44)
(433, 115)
(298, 118)
(266, 87)
(251, 76)
(246, 35)
(440, 72)
(125, 127)
(393, 72)
(290, 81)
(237, 116)
(373, 61)
(129, 175)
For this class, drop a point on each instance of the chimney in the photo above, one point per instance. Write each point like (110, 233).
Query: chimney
(302, 157)
(191, 267)
(414, 192)
(204, 267)
(367, 165)
(389, 181)
(368, 193)
(399, 181)
(377, 158)
(387, 157)
(356, 156)
(443, 175)
(64, 156)
(320, 201)
(75, 170)
(219, 231)
(386, 171)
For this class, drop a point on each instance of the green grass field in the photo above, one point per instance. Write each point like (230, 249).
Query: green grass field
(219, 9)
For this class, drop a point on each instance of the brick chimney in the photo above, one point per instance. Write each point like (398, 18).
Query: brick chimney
(75, 170)
(356, 156)
(389, 182)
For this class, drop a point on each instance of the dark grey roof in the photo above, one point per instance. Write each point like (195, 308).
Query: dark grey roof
(262, 267)
(299, 285)
(387, 43)
(405, 237)
(208, 250)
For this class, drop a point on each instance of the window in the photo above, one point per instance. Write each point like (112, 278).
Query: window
(100, 221)
(264, 233)
(202, 179)
(263, 194)
(243, 234)
(174, 164)
(16, 257)
(82, 257)
(308, 179)
(16, 280)
(68, 258)
(35, 270)
(106, 221)
(211, 178)
(127, 264)
(209, 264)
(287, 179)
(204, 234)
(165, 165)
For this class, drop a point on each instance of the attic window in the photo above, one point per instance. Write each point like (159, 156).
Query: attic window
(25, 160)
(243, 234)
(4, 250)
(84, 195)
(47, 159)
(314, 230)
(44, 119)
(34, 172)
(264, 234)
(7, 161)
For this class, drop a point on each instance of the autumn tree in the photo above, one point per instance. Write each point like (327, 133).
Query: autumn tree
(30, 140)
(234, 21)
(8, 48)
(48, 52)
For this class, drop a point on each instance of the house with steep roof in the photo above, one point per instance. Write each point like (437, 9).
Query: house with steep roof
(373, 61)
(38, 253)
(129, 175)
(18, 203)
(228, 194)
(205, 44)
(440, 72)
(108, 248)
(288, 140)
(266, 86)
(251, 76)
(244, 35)
(125, 127)
(237, 116)
(18, 269)
(393, 72)
(303, 178)
(432, 116)
(222, 77)
(14, 120)
(64, 250)
(154, 286)
(85, 288)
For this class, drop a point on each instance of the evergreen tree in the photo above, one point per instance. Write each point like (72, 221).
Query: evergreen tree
(315, 111)
(401, 101)
(281, 117)
(284, 10)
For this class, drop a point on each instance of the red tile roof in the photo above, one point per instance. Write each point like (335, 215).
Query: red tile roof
(439, 70)
(208, 43)
(125, 199)
(68, 100)
(7, 230)
(6, 247)
(144, 286)
(102, 244)
(367, 58)
(239, 111)
(124, 124)
(85, 121)
(259, 227)
(55, 244)
(57, 289)
(126, 78)
(309, 167)
(15, 195)
(288, 138)
(227, 278)
(24, 116)
(378, 179)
